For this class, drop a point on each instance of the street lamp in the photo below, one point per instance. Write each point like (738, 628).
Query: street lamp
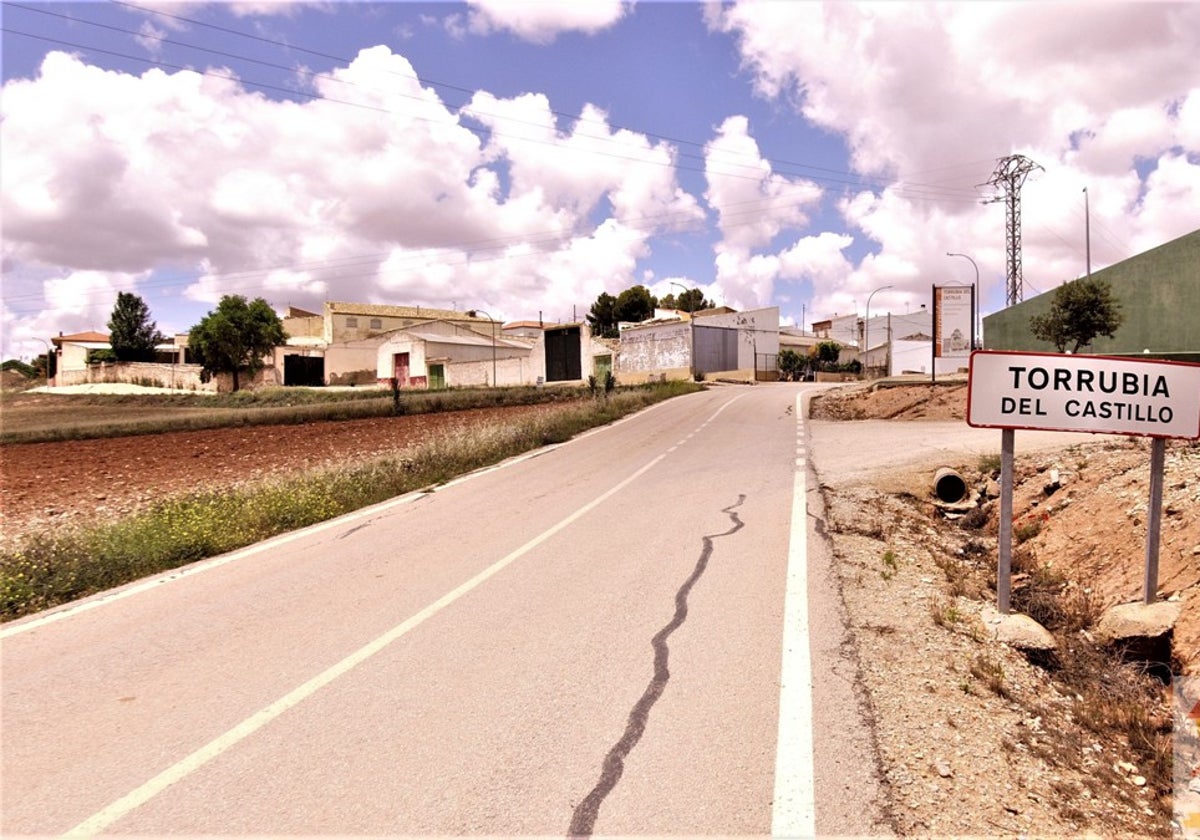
(475, 313)
(680, 285)
(867, 331)
(49, 360)
(691, 336)
(978, 317)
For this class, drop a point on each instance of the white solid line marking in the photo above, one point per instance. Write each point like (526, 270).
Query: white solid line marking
(189, 764)
(106, 817)
(793, 812)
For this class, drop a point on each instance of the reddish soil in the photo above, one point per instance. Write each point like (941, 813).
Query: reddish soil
(51, 484)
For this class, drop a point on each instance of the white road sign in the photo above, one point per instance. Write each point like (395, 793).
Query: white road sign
(1102, 394)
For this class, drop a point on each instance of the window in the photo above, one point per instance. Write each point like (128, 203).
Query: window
(351, 322)
(376, 324)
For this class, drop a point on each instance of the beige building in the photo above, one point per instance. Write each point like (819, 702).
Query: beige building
(445, 354)
(442, 354)
(340, 346)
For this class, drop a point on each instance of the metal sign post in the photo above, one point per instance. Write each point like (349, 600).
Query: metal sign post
(1004, 565)
(1096, 394)
(1158, 453)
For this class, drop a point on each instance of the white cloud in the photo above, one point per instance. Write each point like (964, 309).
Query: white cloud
(932, 95)
(388, 193)
(541, 21)
(384, 195)
(574, 170)
(754, 206)
(753, 203)
(37, 307)
(151, 37)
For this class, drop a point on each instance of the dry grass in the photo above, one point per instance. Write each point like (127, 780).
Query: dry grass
(1117, 701)
(54, 568)
(34, 418)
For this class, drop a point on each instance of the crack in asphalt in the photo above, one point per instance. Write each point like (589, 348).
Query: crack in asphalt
(583, 821)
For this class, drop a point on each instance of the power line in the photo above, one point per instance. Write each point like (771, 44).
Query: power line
(477, 252)
(915, 190)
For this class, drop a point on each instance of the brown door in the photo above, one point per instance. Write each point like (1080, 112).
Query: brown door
(401, 363)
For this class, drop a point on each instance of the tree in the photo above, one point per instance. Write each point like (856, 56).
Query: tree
(635, 304)
(827, 353)
(692, 300)
(602, 317)
(791, 365)
(132, 334)
(236, 336)
(1081, 310)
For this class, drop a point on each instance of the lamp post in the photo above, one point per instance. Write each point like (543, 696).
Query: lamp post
(867, 330)
(978, 319)
(680, 285)
(691, 337)
(49, 360)
(475, 313)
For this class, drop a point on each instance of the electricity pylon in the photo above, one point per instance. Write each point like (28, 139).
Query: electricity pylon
(1010, 174)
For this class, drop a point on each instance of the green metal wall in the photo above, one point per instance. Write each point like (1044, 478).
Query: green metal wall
(1159, 293)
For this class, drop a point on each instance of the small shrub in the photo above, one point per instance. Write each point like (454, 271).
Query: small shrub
(890, 565)
(990, 672)
(990, 464)
(1029, 528)
(945, 612)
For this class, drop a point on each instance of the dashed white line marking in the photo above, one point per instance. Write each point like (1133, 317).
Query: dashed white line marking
(793, 812)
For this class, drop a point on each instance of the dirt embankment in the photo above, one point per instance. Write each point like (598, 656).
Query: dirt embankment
(975, 738)
(1091, 524)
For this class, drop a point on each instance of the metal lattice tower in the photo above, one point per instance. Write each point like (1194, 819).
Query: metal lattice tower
(1010, 174)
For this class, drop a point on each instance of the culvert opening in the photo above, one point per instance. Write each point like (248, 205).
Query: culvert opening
(949, 486)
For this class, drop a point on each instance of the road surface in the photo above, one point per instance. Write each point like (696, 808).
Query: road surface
(634, 633)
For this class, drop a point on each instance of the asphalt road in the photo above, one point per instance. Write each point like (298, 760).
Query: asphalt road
(634, 633)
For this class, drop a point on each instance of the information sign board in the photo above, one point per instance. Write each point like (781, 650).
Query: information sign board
(953, 320)
(1101, 394)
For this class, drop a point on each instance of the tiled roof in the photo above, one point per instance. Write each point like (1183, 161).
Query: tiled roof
(470, 339)
(383, 310)
(90, 335)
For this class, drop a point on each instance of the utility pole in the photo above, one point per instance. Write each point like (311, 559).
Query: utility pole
(1087, 231)
(1009, 176)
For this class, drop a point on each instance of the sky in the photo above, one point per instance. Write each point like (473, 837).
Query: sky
(521, 157)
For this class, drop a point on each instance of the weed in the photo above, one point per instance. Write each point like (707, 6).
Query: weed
(960, 577)
(990, 464)
(1115, 698)
(990, 672)
(1029, 528)
(1047, 597)
(890, 565)
(945, 612)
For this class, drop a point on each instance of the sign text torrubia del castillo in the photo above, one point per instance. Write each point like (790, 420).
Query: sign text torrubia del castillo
(1102, 394)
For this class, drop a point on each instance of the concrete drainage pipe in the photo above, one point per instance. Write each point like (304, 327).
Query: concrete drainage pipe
(949, 485)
